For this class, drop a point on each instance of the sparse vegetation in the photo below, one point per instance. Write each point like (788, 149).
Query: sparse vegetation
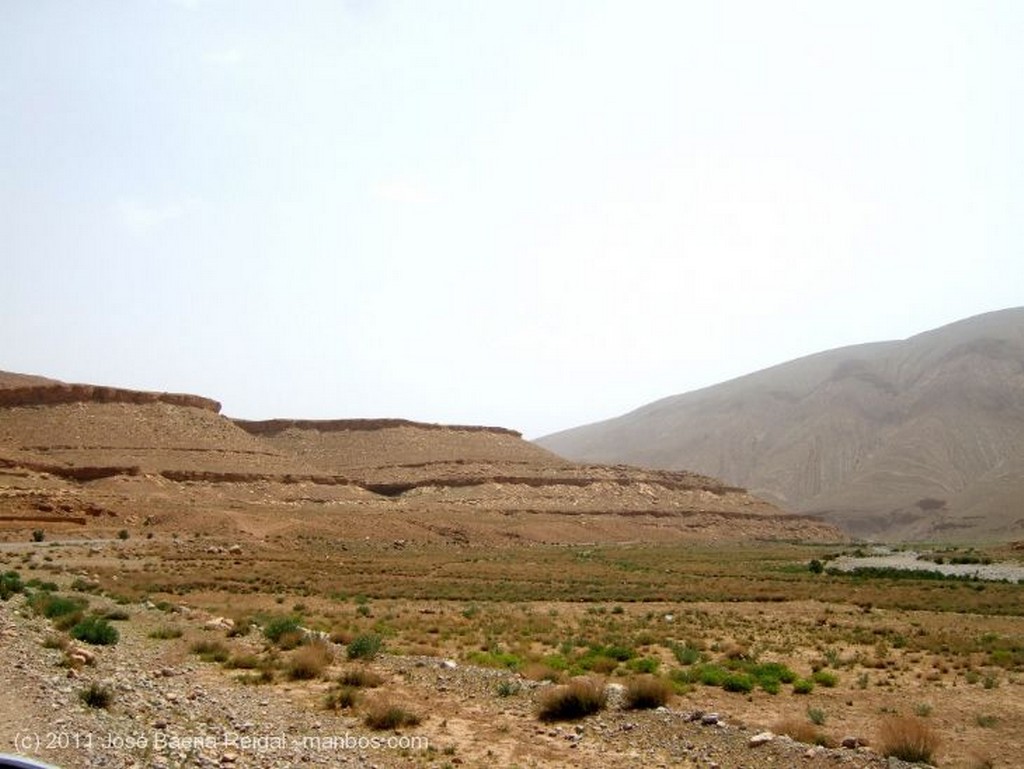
(647, 692)
(360, 678)
(96, 696)
(211, 651)
(166, 632)
(365, 647)
(576, 699)
(381, 714)
(907, 738)
(95, 630)
(309, 661)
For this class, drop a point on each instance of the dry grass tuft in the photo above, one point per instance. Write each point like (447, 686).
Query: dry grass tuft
(907, 738)
(801, 731)
(576, 699)
(647, 692)
(360, 678)
(310, 661)
(538, 671)
(381, 713)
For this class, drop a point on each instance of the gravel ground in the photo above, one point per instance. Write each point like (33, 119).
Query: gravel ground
(911, 561)
(170, 710)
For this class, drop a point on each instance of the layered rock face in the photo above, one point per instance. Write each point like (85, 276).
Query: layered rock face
(81, 453)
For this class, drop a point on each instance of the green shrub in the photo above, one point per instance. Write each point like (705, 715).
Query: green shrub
(10, 583)
(738, 682)
(365, 647)
(38, 535)
(508, 688)
(53, 606)
(826, 679)
(803, 686)
(281, 626)
(643, 665)
(686, 654)
(95, 630)
(773, 670)
(580, 697)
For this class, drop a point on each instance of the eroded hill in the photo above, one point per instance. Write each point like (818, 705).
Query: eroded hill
(78, 455)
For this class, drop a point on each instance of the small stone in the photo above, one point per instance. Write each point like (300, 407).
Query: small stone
(762, 738)
(709, 719)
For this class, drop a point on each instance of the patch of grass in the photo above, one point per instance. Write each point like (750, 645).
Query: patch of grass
(907, 738)
(803, 686)
(243, 662)
(95, 630)
(280, 626)
(360, 678)
(643, 665)
(365, 647)
(309, 661)
(166, 632)
(738, 682)
(801, 731)
(211, 651)
(816, 716)
(96, 696)
(986, 721)
(825, 678)
(382, 714)
(576, 699)
(508, 688)
(686, 654)
(54, 606)
(341, 698)
(10, 583)
(265, 676)
(117, 615)
(647, 692)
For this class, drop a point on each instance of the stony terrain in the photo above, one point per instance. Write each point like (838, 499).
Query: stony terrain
(168, 709)
(916, 439)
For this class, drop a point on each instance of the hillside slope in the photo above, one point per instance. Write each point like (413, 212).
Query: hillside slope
(80, 455)
(921, 438)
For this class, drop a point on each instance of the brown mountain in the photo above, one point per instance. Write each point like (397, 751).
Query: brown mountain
(74, 456)
(915, 439)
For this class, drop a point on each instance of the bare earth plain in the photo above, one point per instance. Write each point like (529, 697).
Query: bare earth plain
(385, 593)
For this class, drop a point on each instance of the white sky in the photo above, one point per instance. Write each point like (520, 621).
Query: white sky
(531, 214)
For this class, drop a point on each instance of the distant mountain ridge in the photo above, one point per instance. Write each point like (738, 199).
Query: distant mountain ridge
(915, 439)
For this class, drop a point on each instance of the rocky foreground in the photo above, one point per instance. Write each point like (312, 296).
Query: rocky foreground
(169, 709)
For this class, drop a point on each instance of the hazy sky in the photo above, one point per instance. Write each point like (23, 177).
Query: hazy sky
(531, 214)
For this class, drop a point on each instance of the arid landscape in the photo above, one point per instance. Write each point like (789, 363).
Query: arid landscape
(183, 589)
(921, 438)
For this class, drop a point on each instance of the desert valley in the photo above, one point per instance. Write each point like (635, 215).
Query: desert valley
(180, 588)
